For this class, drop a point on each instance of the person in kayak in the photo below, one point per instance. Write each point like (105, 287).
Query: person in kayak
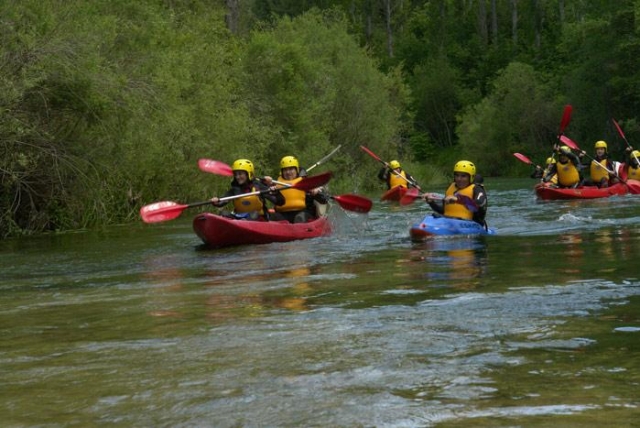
(299, 206)
(539, 172)
(464, 198)
(250, 207)
(567, 169)
(630, 169)
(601, 168)
(394, 175)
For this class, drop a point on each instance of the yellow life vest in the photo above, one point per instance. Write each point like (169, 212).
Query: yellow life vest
(598, 172)
(568, 174)
(248, 204)
(295, 200)
(633, 173)
(459, 210)
(394, 180)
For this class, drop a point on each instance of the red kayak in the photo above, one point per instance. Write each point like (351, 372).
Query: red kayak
(217, 231)
(394, 194)
(546, 192)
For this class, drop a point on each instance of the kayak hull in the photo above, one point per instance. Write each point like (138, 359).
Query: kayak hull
(394, 194)
(217, 231)
(548, 193)
(437, 225)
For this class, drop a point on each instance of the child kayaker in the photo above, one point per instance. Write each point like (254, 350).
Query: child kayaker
(630, 170)
(567, 169)
(299, 206)
(601, 168)
(463, 198)
(250, 207)
(394, 176)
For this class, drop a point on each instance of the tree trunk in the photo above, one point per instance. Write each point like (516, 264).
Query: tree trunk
(482, 22)
(494, 23)
(514, 22)
(233, 15)
(387, 13)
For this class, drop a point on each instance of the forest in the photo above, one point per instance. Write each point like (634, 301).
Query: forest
(108, 105)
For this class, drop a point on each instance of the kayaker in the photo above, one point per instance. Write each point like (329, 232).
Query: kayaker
(394, 175)
(567, 169)
(251, 207)
(630, 169)
(601, 168)
(540, 172)
(299, 206)
(463, 198)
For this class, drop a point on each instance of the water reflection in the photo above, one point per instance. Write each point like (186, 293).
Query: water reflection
(460, 261)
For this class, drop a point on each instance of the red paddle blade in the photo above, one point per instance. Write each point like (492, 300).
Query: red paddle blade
(566, 117)
(411, 195)
(354, 203)
(569, 142)
(620, 131)
(312, 182)
(370, 153)
(523, 158)
(633, 186)
(161, 211)
(215, 167)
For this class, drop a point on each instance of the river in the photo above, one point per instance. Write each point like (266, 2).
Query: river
(139, 325)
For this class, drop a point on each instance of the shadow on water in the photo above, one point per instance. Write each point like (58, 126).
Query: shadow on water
(143, 327)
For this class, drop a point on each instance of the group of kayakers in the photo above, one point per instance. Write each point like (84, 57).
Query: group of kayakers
(465, 198)
(567, 170)
(291, 204)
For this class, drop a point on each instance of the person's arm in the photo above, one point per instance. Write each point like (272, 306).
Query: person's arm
(480, 198)
(383, 174)
(537, 172)
(319, 195)
(436, 204)
(411, 182)
(550, 173)
(215, 201)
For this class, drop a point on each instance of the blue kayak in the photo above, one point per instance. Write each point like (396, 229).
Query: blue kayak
(437, 225)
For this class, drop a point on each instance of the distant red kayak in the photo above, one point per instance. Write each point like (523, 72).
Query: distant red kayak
(217, 231)
(394, 194)
(585, 192)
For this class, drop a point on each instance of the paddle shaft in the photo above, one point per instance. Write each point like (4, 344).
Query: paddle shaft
(376, 157)
(624, 138)
(324, 159)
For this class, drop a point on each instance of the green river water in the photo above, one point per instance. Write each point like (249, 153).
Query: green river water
(139, 325)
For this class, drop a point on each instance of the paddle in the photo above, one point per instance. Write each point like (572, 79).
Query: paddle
(624, 138)
(215, 167)
(168, 210)
(413, 194)
(373, 155)
(324, 159)
(525, 159)
(634, 187)
(349, 202)
(355, 203)
(564, 122)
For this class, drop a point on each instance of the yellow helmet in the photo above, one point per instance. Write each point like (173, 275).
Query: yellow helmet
(466, 167)
(635, 154)
(244, 165)
(288, 162)
(565, 150)
(394, 164)
(550, 161)
(601, 145)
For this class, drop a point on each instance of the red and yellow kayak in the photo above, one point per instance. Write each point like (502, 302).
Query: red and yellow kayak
(394, 194)
(546, 192)
(217, 231)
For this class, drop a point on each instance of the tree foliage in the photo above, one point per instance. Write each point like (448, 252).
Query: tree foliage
(108, 104)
